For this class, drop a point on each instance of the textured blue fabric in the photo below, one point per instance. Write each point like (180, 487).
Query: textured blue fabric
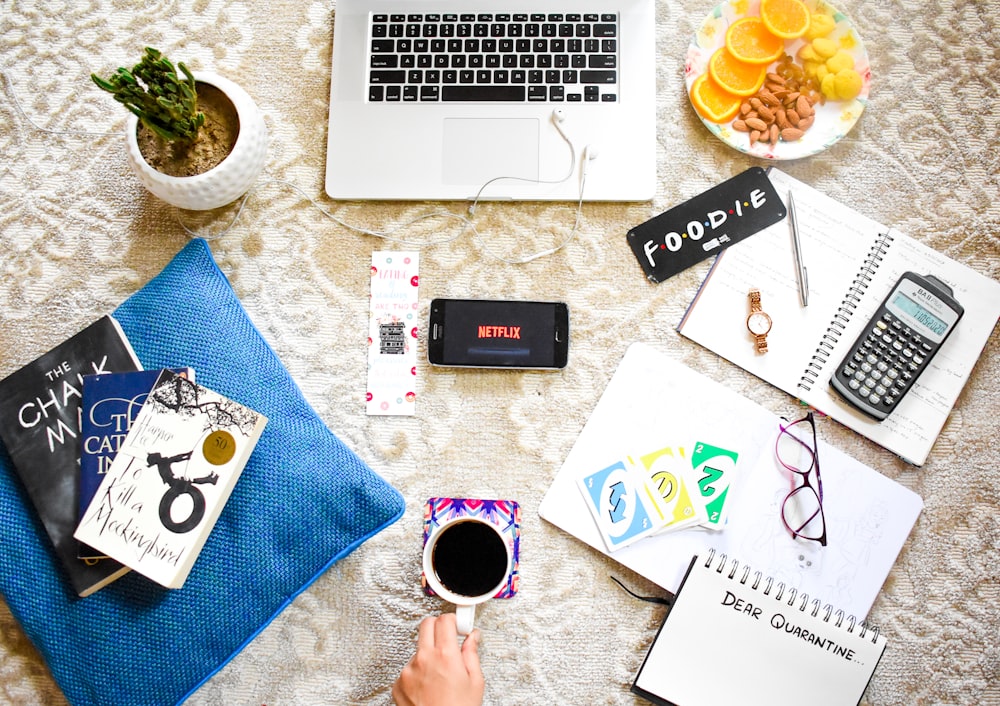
(303, 502)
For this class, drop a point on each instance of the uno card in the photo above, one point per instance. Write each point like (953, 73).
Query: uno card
(615, 496)
(678, 505)
(714, 469)
(706, 224)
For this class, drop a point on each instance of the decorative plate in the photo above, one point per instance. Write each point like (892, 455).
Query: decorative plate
(834, 119)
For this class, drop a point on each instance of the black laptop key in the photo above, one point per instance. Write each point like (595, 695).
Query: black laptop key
(605, 30)
(595, 76)
(387, 76)
(472, 93)
(602, 61)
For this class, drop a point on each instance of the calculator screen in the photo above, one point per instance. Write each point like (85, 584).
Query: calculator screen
(919, 313)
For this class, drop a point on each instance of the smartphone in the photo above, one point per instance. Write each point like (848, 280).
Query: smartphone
(897, 345)
(483, 333)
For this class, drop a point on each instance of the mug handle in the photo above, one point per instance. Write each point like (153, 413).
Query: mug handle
(465, 615)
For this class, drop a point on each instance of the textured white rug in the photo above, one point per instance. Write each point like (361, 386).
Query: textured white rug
(79, 234)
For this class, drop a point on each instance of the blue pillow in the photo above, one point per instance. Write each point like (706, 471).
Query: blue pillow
(304, 501)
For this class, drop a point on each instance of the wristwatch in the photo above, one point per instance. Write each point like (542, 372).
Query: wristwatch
(758, 322)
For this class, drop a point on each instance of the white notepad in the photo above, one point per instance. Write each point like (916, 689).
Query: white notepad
(853, 263)
(736, 636)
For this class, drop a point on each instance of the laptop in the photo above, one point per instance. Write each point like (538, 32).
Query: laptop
(493, 99)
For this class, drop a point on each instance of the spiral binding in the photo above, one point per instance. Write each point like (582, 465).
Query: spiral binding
(844, 312)
(790, 596)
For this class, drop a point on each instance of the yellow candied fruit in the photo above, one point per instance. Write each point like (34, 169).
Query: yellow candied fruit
(847, 83)
(811, 67)
(839, 61)
(820, 25)
(821, 72)
(828, 86)
(807, 53)
(824, 47)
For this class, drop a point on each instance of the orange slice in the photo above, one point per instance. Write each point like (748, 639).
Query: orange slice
(713, 103)
(749, 40)
(735, 76)
(788, 19)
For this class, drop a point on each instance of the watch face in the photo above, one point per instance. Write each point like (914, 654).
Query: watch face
(759, 323)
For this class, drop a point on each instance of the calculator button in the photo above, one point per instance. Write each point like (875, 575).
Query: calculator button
(859, 375)
(880, 390)
(892, 373)
(865, 391)
(871, 359)
(865, 367)
(854, 384)
(874, 399)
(876, 375)
(918, 359)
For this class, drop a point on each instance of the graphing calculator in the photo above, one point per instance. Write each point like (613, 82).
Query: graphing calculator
(897, 345)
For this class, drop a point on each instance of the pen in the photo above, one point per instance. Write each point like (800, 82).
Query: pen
(800, 268)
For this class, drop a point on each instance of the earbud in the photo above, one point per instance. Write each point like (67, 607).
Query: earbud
(590, 152)
(558, 115)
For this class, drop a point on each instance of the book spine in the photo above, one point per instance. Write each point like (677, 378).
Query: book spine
(790, 596)
(842, 317)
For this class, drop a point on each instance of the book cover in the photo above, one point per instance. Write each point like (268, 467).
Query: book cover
(171, 479)
(110, 403)
(39, 425)
(735, 635)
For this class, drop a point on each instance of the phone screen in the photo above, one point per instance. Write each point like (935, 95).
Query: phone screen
(498, 334)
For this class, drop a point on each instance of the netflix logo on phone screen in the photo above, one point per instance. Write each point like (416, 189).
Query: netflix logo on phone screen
(511, 332)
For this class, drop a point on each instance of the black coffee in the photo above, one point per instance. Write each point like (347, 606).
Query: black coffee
(469, 558)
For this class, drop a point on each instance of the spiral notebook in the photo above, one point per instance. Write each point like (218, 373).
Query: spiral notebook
(736, 636)
(852, 263)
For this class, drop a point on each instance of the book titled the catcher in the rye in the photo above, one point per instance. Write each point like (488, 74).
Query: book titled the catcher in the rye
(171, 478)
(40, 426)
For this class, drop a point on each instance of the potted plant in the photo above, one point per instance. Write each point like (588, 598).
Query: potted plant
(196, 140)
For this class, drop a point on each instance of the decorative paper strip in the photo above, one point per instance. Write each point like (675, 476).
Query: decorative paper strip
(392, 334)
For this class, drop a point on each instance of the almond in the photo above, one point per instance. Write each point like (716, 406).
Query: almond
(793, 117)
(756, 124)
(791, 134)
(766, 114)
(740, 126)
(803, 107)
(774, 134)
(769, 98)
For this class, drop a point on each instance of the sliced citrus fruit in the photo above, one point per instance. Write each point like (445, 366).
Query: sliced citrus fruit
(735, 76)
(788, 19)
(711, 102)
(749, 40)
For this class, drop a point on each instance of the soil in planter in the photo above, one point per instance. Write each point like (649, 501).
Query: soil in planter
(214, 143)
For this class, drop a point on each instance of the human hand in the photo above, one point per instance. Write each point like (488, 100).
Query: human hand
(441, 673)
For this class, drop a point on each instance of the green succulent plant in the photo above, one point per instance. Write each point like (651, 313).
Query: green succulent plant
(166, 103)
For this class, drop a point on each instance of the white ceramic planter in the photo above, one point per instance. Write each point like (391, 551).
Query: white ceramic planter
(222, 184)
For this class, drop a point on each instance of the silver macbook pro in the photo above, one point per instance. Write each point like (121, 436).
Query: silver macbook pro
(495, 99)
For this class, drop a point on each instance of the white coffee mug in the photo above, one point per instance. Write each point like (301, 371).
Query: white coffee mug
(467, 561)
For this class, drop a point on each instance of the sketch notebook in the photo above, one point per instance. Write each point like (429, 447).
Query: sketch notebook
(736, 636)
(654, 401)
(852, 262)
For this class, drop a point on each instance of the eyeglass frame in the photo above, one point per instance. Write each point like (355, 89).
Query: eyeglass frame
(817, 490)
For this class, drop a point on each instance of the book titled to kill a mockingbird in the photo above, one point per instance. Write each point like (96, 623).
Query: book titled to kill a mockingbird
(171, 478)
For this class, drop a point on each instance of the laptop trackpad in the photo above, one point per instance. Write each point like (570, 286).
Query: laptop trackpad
(479, 149)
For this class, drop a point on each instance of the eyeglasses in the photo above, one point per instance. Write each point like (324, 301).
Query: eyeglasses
(798, 452)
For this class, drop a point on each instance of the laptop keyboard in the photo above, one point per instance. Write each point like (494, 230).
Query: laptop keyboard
(493, 57)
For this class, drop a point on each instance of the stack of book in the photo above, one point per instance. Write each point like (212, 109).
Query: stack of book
(127, 469)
